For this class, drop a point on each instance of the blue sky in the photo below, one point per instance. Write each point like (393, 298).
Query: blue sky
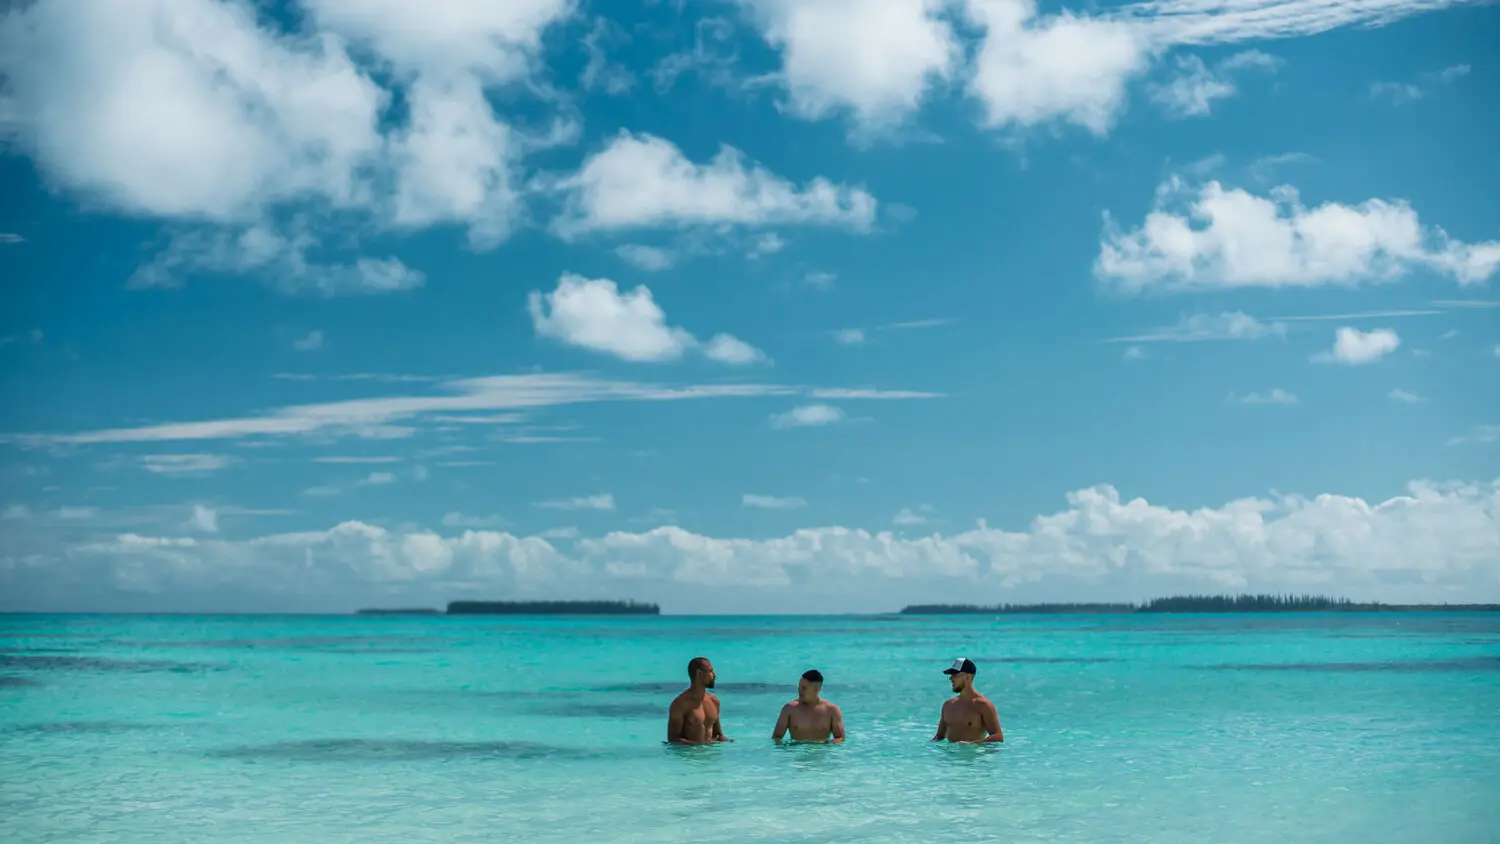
(747, 306)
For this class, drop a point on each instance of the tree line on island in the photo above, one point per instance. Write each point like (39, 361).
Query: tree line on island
(1198, 604)
(1172, 604)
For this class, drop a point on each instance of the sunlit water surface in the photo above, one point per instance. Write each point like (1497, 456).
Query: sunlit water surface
(1288, 728)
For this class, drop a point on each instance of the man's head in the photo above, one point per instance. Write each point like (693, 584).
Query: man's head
(961, 673)
(809, 686)
(700, 670)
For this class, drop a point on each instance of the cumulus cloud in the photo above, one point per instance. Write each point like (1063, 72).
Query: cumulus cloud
(1435, 542)
(594, 314)
(640, 181)
(1353, 347)
(807, 416)
(874, 60)
(1212, 237)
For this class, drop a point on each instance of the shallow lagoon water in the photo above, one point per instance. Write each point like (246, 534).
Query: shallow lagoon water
(1306, 728)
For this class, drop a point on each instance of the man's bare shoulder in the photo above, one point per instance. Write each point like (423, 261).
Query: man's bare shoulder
(682, 701)
(830, 706)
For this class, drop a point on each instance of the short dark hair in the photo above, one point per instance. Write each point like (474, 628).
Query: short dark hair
(696, 664)
(813, 676)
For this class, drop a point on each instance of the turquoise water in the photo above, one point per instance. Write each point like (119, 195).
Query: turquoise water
(1315, 728)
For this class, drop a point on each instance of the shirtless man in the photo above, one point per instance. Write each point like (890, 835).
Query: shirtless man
(693, 717)
(809, 717)
(969, 718)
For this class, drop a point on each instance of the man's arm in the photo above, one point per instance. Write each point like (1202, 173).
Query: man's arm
(989, 717)
(838, 724)
(783, 721)
(674, 724)
(717, 733)
(942, 731)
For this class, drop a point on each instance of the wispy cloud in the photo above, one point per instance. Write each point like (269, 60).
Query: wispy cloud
(604, 501)
(184, 464)
(1404, 93)
(459, 520)
(1403, 396)
(1479, 434)
(807, 416)
(311, 343)
(356, 460)
(11, 238)
(1205, 327)
(908, 517)
(32, 336)
(1275, 396)
(373, 418)
(856, 336)
(771, 502)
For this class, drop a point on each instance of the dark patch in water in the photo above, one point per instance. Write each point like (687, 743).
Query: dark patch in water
(1478, 663)
(372, 651)
(76, 727)
(16, 682)
(351, 644)
(602, 710)
(94, 663)
(396, 750)
(726, 688)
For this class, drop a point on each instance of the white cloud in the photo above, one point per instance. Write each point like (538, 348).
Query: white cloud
(1135, 353)
(807, 416)
(649, 258)
(605, 501)
(874, 60)
(1194, 328)
(184, 464)
(1353, 347)
(459, 520)
(909, 518)
(731, 350)
(1405, 93)
(642, 181)
(11, 238)
(593, 314)
(374, 418)
(819, 280)
(379, 479)
(281, 259)
(204, 519)
(311, 343)
(1481, 434)
(767, 244)
(849, 336)
(30, 338)
(857, 336)
(1191, 93)
(1033, 70)
(1214, 238)
(1435, 542)
(771, 502)
(1275, 396)
(1404, 397)
(600, 74)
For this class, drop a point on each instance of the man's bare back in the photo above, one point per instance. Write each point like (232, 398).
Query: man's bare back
(809, 717)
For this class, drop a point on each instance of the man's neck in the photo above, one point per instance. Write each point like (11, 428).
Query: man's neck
(697, 691)
(813, 701)
(968, 693)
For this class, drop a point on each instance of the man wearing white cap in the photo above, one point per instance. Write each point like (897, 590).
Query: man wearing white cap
(969, 718)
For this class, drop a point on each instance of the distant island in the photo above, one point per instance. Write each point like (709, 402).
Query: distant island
(1198, 604)
(552, 608)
